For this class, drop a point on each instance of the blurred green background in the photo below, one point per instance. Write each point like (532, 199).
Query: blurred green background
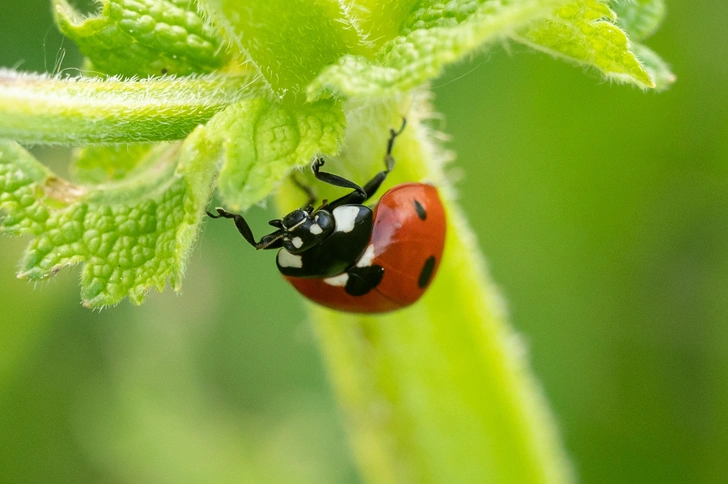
(603, 212)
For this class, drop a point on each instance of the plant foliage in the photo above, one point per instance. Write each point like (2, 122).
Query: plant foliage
(181, 97)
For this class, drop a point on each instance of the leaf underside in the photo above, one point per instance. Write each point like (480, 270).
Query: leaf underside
(131, 235)
(144, 37)
(264, 141)
(639, 18)
(288, 80)
(434, 35)
(585, 32)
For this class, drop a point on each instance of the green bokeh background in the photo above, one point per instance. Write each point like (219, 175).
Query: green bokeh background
(603, 212)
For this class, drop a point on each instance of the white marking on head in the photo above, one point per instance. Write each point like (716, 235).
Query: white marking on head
(345, 217)
(316, 229)
(297, 242)
(286, 259)
(298, 224)
(339, 280)
(367, 257)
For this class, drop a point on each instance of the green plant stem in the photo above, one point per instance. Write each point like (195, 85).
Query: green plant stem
(51, 110)
(439, 392)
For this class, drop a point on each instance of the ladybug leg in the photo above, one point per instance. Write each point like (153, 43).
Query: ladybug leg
(270, 241)
(361, 280)
(359, 195)
(373, 185)
(355, 197)
(390, 144)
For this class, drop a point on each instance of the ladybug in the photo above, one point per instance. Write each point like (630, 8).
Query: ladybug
(350, 257)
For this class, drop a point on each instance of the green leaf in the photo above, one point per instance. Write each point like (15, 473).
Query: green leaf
(434, 35)
(658, 69)
(134, 228)
(38, 108)
(288, 41)
(639, 18)
(380, 20)
(263, 141)
(131, 235)
(99, 164)
(584, 32)
(145, 37)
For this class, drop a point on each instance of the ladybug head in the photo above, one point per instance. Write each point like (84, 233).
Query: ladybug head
(304, 228)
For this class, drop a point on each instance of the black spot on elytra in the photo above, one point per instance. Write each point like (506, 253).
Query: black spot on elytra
(426, 273)
(420, 210)
(363, 279)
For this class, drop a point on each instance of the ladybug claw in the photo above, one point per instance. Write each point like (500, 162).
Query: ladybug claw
(317, 163)
(219, 213)
(393, 133)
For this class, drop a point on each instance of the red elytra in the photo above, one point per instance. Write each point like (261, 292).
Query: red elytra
(408, 237)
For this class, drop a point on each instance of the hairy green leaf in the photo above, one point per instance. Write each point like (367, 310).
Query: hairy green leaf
(263, 141)
(289, 41)
(131, 235)
(99, 164)
(584, 32)
(144, 37)
(380, 21)
(639, 18)
(658, 69)
(427, 401)
(432, 36)
(52, 110)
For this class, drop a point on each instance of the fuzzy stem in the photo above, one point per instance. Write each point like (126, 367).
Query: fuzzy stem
(51, 110)
(439, 392)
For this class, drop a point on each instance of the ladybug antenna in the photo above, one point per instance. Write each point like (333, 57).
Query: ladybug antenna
(269, 241)
(324, 202)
